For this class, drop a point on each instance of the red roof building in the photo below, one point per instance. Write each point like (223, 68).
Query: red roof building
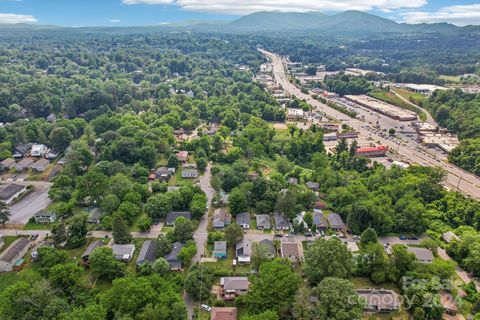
(378, 151)
(182, 156)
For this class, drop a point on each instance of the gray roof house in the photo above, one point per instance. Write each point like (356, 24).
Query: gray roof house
(10, 192)
(231, 287)
(172, 258)
(243, 251)
(319, 219)
(24, 164)
(41, 165)
(173, 215)
(163, 174)
(147, 253)
(13, 253)
(281, 222)
(92, 246)
(315, 186)
(263, 222)
(449, 236)
(335, 221)
(45, 217)
(243, 219)
(22, 150)
(189, 173)
(123, 252)
(291, 251)
(423, 255)
(95, 216)
(221, 218)
(7, 164)
(220, 249)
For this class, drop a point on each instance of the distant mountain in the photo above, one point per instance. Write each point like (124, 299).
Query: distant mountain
(348, 21)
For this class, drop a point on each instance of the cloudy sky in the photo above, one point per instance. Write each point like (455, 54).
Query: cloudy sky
(156, 12)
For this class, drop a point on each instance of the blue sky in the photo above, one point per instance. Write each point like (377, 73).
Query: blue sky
(156, 12)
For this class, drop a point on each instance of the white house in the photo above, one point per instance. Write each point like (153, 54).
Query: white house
(39, 150)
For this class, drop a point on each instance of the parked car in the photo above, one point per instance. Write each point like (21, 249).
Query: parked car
(206, 307)
(402, 237)
(412, 238)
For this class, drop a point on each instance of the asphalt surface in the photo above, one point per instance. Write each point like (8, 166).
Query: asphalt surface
(23, 210)
(456, 178)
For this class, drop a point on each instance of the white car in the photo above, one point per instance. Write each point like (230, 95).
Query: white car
(206, 307)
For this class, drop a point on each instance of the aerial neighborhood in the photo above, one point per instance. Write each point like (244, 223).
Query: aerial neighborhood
(284, 165)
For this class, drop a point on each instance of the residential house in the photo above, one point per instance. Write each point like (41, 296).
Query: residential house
(243, 251)
(379, 300)
(292, 181)
(423, 255)
(182, 156)
(222, 199)
(189, 173)
(22, 150)
(319, 205)
(232, 287)
(7, 164)
(223, 313)
(448, 303)
(449, 236)
(298, 220)
(95, 216)
(38, 150)
(51, 117)
(291, 251)
(92, 246)
(11, 192)
(14, 253)
(220, 249)
(315, 186)
(172, 258)
(252, 176)
(352, 246)
(320, 220)
(221, 218)
(24, 164)
(281, 222)
(336, 222)
(41, 165)
(52, 154)
(123, 252)
(148, 252)
(270, 245)
(263, 222)
(173, 215)
(243, 220)
(45, 217)
(163, 174)
(173, 188)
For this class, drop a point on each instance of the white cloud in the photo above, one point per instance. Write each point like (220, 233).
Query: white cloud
(461, 15)
(11, 18)
(249, 6)
(114, 20)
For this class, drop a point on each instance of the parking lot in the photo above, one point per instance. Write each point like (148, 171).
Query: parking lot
(37, 200)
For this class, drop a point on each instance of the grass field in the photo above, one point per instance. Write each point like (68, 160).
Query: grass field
(389, 97)
(451, 79)
(37, 226)
(7, 241)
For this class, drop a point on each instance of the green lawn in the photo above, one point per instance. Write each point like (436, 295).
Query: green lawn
(452, 79)
(37, 226)
(7, 241)
(389, 97)
(414, 97)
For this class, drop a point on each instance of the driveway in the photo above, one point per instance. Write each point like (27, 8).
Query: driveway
(24, 209)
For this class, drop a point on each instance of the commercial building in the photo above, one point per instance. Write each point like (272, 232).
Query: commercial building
(446, 142)
(11, 192)
(295, 114)
(379, 151)
(382, 107)
(426, 89)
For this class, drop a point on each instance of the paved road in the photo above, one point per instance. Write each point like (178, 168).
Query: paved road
(201, 235)
(23, 210)
(466, 182)
(462, 274)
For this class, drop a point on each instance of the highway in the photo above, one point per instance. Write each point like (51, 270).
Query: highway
(456, 179)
